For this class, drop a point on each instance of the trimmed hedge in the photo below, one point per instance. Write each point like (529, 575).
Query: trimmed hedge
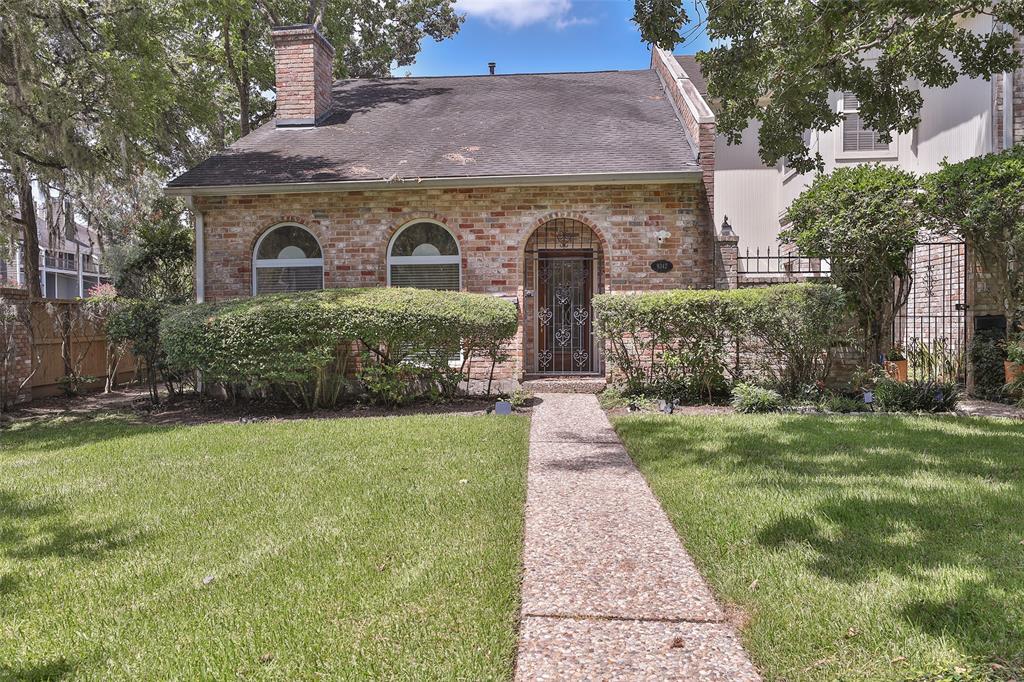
(690, 344)
(304, 345)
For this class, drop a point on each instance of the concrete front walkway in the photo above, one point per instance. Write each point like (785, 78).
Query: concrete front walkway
(608, 590)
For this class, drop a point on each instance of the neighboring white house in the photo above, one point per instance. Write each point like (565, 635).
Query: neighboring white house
(69, 265)
(956, 123)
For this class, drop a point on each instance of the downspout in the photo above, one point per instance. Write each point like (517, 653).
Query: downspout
(200, 270)
(1007, 110)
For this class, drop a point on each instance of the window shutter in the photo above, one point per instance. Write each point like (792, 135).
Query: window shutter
(283, 280)
(856, 136)
(439, 276)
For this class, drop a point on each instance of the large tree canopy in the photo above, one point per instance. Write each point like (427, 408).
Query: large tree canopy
(369, 35)
(777, 61)
(97, 94)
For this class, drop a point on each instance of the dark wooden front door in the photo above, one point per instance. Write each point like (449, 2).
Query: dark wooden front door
(565, 285)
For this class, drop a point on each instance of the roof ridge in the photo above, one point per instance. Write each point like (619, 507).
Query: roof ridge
(496, 75)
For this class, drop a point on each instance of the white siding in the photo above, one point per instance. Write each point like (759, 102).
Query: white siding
(956, 124)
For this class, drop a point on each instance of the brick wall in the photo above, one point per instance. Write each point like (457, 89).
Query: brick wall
(491, 225)
(1018, 104)
(20, 358)
(693, 112)
(304, 63)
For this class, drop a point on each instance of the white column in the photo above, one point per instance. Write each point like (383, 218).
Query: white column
(17, 266)
(81, 279)
(200, 268)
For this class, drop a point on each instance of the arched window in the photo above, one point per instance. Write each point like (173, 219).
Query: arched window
(287, 258)
(424, 255)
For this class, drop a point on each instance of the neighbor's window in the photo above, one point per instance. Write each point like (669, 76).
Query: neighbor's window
(287, 258)
(424, 255)
(856, 138)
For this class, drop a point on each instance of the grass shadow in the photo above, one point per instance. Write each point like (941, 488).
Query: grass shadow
(879, 499)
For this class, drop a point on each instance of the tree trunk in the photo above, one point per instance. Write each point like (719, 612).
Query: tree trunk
(29, 233)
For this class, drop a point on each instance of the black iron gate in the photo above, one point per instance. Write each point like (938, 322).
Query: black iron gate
(562, 267)
(931, 328)
(564, 333)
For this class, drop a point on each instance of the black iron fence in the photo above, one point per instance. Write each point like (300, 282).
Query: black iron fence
(781, 263)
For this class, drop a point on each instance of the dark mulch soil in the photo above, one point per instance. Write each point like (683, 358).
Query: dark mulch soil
(197, 409)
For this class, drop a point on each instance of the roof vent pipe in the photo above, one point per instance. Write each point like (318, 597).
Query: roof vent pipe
(491, 66)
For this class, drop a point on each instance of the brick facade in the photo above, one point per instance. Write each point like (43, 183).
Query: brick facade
(492, 226)
(304, 64)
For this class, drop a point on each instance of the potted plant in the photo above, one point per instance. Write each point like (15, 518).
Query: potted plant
(896, 364)
(1014, 365)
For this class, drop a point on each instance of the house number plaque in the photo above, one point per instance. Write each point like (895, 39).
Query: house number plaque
(661, 266)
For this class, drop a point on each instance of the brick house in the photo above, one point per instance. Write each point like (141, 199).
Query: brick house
(542, 188)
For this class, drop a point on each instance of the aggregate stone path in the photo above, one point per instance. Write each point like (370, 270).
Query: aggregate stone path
(608, 591)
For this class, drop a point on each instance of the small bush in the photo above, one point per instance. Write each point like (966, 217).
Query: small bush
(749, 399)
(916, 396)
(1015, 350)
(843, 404)
(136, 324)
(987, 356)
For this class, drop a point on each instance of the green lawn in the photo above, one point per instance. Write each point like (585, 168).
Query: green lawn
(859, 548)
(350, 548)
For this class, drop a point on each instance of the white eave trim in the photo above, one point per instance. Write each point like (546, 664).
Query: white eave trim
(639, 178)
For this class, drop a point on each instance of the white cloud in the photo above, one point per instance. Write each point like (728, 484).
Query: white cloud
(519, 13)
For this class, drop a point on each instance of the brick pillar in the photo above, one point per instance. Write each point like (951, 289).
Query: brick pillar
(727, 253)
(304, 69)
(21, 350)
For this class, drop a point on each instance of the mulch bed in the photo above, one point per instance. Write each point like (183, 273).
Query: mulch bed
(197, 409)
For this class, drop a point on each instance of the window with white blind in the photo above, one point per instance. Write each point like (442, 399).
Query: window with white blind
(424, 255)
(856, 139)
(287, 258)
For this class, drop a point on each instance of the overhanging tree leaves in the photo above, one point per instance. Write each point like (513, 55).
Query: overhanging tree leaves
(101, 88)
(865, 220)
(777, 61)
(369, 37)
(981, 200)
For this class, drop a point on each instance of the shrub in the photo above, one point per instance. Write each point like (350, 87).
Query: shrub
(1015, 350)
(793, 332)
(987, 356)
(865, 220)
(686, 345)
(843, 404)
(669, 344)
(749, 399)
(413, 342)
(136, 324)
(978, 200)
(916, 396)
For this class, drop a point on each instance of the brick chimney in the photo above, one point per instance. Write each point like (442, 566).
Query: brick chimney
(304, 66)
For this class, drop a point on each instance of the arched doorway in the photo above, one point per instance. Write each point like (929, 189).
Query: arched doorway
(563, 269)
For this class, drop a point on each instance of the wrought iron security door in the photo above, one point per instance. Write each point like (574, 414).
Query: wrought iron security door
(931, 327)
(564, 316)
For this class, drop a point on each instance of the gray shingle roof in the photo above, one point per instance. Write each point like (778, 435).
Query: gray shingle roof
(692, 68)
(467, 126)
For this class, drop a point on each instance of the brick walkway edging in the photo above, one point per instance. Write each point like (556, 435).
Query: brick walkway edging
(608, 591)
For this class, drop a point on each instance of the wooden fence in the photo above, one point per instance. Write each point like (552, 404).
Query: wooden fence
(87, 348)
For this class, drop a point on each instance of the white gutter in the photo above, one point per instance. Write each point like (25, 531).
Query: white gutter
(200, 251)
(639, 178)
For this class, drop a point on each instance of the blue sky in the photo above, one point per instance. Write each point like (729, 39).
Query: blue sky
(527, 36)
